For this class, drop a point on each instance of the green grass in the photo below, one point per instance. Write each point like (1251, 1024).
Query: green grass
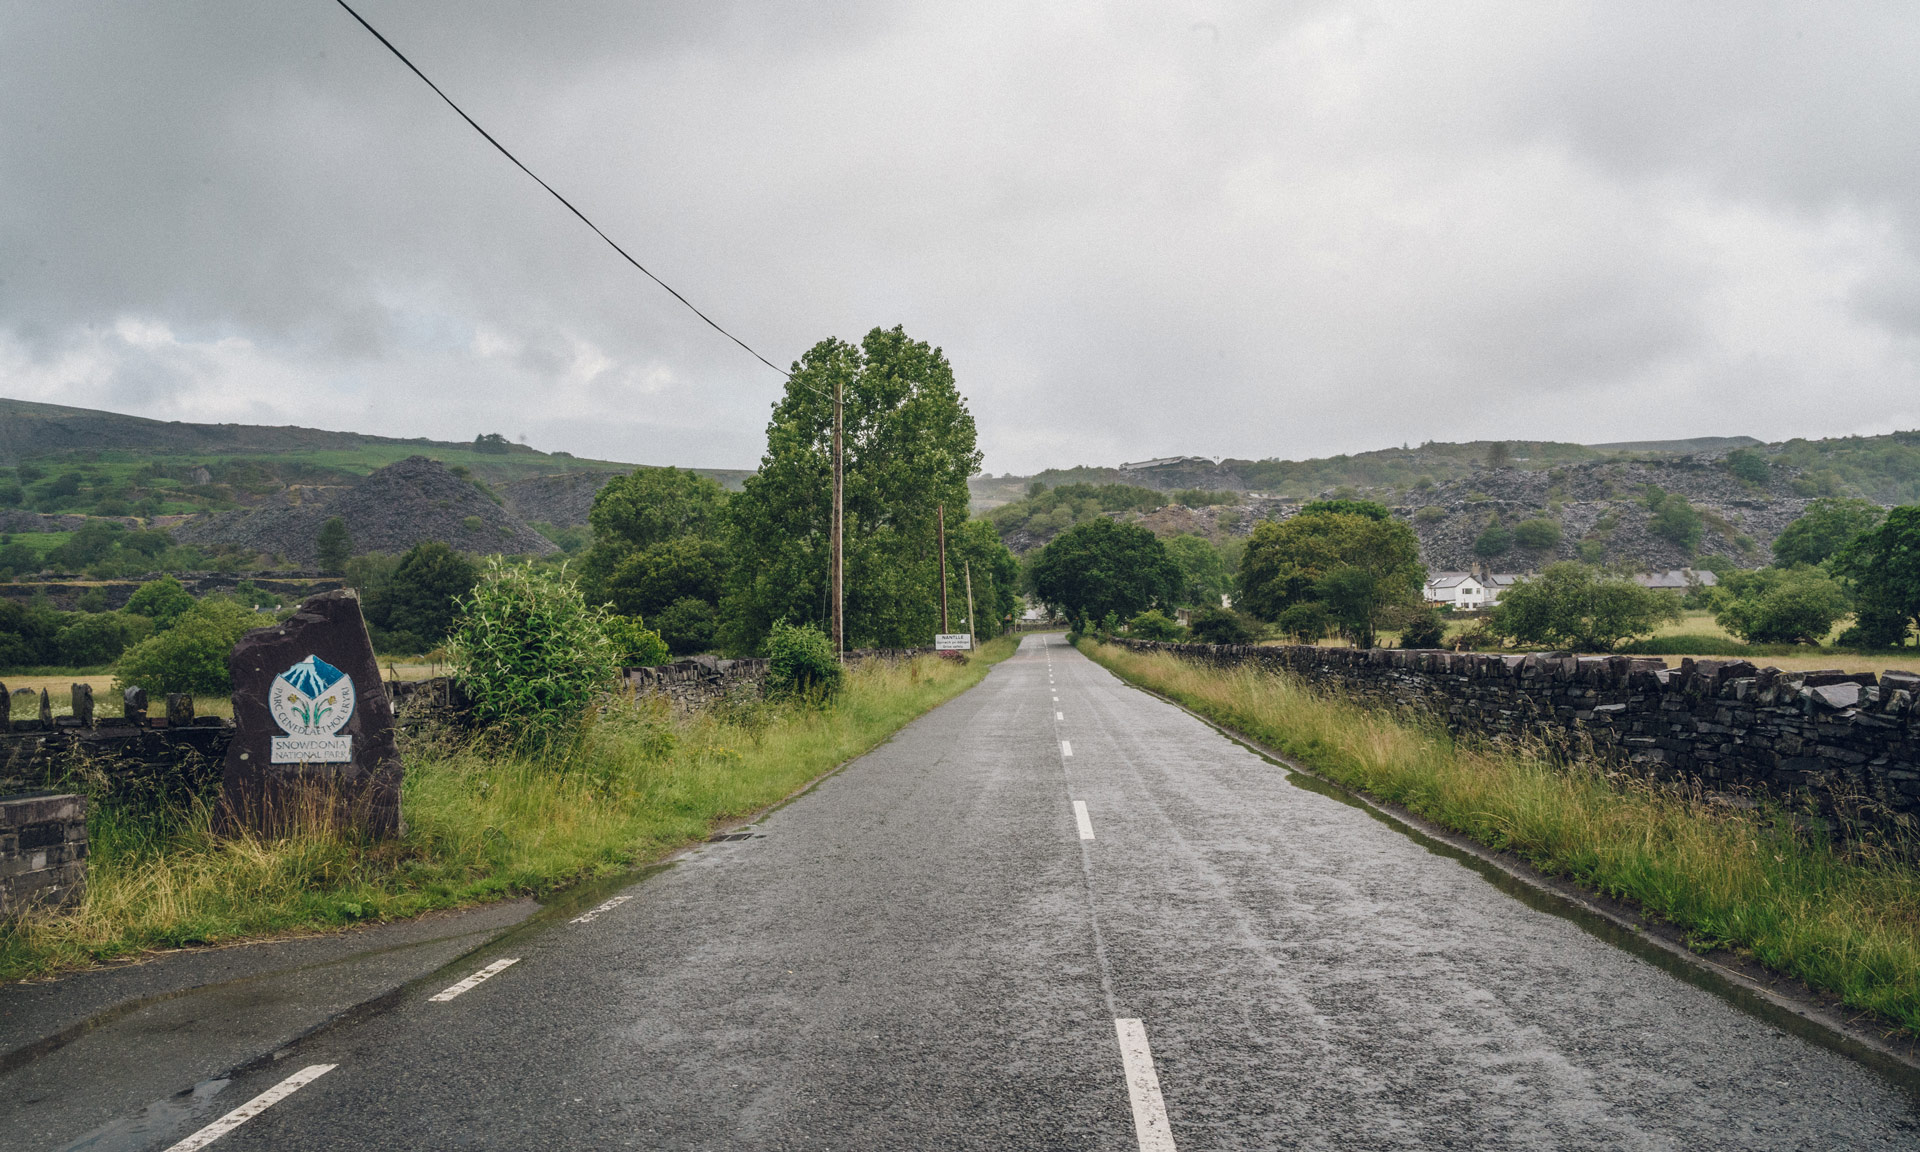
(1747, 881)
(481, 825)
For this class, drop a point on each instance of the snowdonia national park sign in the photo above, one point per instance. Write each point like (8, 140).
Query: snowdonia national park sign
(311, 702)
(313, 729)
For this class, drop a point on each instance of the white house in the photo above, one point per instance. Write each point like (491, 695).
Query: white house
(1456, 590)
(1465, 590)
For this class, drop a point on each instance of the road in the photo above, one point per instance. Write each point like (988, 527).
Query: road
(1059, 913)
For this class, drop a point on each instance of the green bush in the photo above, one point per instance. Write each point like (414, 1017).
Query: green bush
(1425, 630)
(801, 662)
(1431, 514)
(164, 601)
(1306, 622)
(100, 637)
(637, 645)
(1153, 624)
(191, 656)
(1538, 534)
(528, 649)
(1220, 626)
(1782, 606)
(1497, 540)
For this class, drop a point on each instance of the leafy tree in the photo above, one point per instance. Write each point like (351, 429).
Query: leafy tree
(645, 509)
(1497, 540)
(164, 601)
(89, 638)
(1748, 465)
(1497, 454)
(106, 550)
(801, 663)
(1370, 509)
(17, 558)
(492, 443)
(649, 579)
(909, 448)
(1306, 622)
(1826, 527)
(1538, 534)
(1360, 566)
(29, 632)
(529, 651)
(1154, 624)
(1781, 606)
(1203, 570)
(1220, 626)
(687, 626)
(1570, 605)
(1105, 567)
(191, 656)
(975, 546)
(1883, 567)
(420, 601)
(334, 545)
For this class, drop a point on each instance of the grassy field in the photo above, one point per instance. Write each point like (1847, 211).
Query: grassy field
(481, 826)
(1740, 880)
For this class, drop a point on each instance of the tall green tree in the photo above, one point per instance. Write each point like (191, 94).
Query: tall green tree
(1781, 605)
(657, 553)
(1827, 526)
(1883, 566)
(415, 606)
(334, 545)
(1105, 567)
(909, 449)
(1571, 605)
(1203, 570)
(1363, 569)
(996, 577)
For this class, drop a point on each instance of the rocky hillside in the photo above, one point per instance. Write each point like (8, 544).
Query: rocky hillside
(394, 508)
(562, 501)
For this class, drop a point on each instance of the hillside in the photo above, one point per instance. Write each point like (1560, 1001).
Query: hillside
(403, 504)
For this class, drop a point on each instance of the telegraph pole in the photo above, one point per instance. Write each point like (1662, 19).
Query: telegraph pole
(941, 511)
(972, 631)
(839, 561)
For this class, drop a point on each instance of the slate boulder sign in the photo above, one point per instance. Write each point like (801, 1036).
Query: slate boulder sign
(313, 739)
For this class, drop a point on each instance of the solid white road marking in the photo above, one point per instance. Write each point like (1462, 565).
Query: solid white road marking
(587, 917)
(1059, 715)
(1081, 818)
(1066, 747)
(253, 1107)
(473, 981)
(1143, 1087)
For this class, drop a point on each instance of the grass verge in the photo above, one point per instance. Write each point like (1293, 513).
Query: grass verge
(634, 785)
(1747, 881)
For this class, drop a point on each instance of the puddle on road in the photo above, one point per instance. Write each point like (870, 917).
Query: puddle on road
(1625, 939)
(157, 1121)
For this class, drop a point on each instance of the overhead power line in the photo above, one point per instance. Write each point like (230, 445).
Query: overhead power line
(488, 136)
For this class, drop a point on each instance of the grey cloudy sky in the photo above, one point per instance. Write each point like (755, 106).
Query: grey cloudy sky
(1136, 229)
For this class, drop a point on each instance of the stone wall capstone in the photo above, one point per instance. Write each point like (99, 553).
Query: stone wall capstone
(1850, 740)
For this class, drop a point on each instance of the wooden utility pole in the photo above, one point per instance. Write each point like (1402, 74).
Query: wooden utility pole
(971, 630)
(839, 561)
(941, 511)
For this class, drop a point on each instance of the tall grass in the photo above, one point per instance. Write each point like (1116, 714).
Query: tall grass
(1748, 880)
(630, 785)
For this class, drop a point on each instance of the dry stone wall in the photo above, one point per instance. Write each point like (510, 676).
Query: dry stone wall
(1851, 740)
(43, 851)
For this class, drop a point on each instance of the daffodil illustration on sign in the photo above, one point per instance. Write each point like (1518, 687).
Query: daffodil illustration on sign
(311, 702)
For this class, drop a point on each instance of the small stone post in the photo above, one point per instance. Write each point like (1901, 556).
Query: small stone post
(179, 710)
(133, 706)
(83, 704)
(46, 710)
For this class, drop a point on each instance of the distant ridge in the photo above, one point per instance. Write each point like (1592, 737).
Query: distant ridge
(1681, 447)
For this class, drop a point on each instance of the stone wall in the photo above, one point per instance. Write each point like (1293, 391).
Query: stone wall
(690, 683)
(1850, 739)
(43, 851)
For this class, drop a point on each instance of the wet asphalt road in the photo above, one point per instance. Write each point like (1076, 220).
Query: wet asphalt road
(926, 952)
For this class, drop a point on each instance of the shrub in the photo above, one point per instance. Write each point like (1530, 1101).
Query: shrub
(1538, 534)
(334, 545)
(528, 649)
(1573, 606)
(636, 645)
(1497, 540)
(1424, 630)
(1774, 606)
(801, 663)
(1153, 624)
(1306, 622)
(1676, 520)
(1431, 514)
(191, 656)
(164, 601)
(687, 625)
(100, 637)
(1220, 626)
(1749, 465)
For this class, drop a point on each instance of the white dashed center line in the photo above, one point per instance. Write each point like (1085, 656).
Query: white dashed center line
(473, 981)
(253, 1107)
(588, 916)
(1081, 818)
(1059, 716)
(1066, 748)
(1143, 1088)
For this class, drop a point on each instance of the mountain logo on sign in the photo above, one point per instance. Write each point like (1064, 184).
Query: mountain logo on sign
(312, 698)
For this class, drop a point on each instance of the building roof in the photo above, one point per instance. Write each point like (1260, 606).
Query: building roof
(1449, 579)
(1677, 579)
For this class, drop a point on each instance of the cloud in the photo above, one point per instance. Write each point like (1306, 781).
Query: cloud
(1136, 229)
